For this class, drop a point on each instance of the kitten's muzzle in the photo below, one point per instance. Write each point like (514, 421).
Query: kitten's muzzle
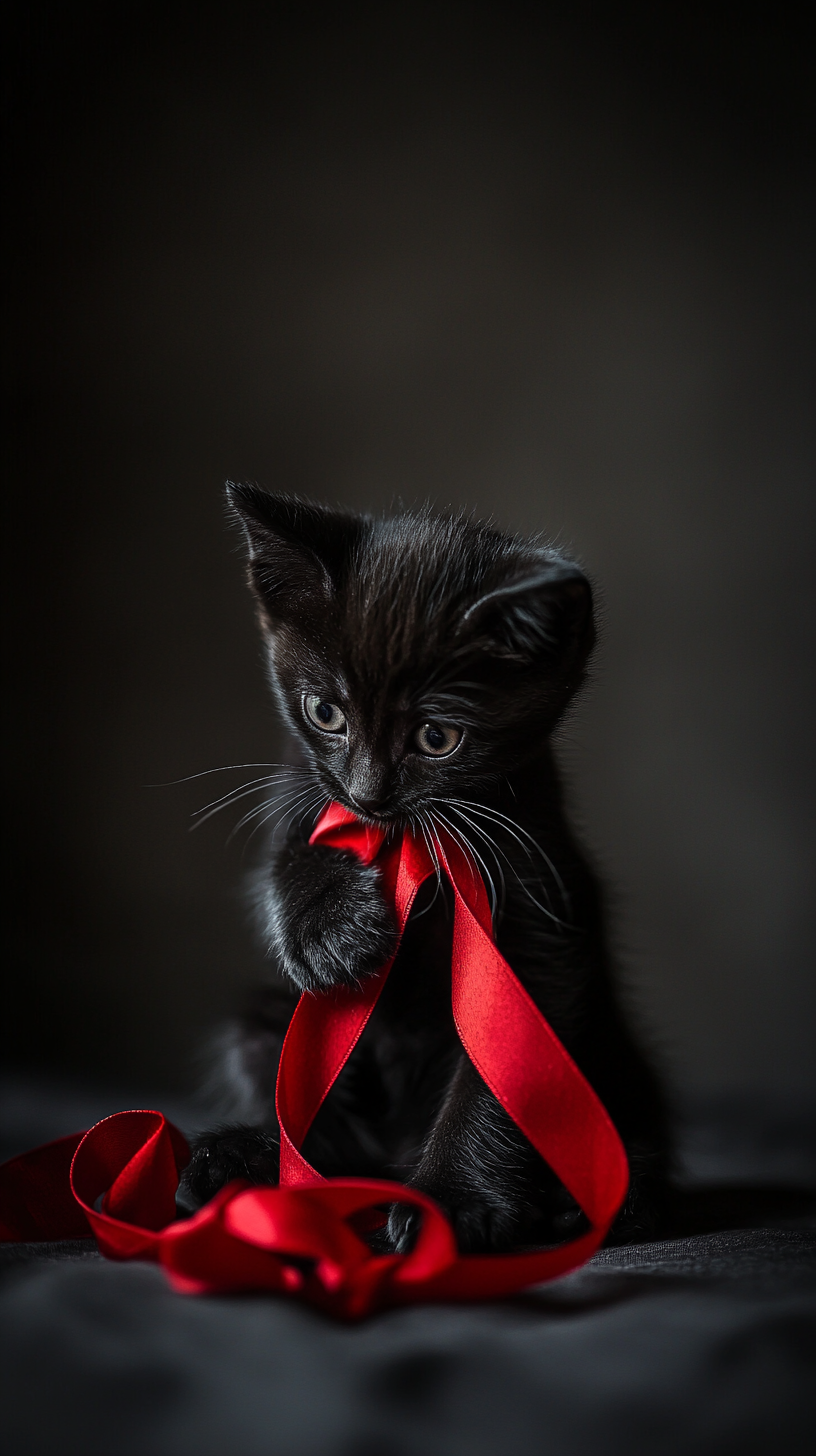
(372, 808)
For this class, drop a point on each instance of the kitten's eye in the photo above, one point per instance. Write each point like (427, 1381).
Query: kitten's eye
(437, 741)
(326, 716)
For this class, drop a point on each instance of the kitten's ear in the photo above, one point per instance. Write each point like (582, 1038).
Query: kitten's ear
(296, 550)
(545, 616)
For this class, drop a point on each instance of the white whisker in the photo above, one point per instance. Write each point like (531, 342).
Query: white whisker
(493, 848)
(429, 843)
(545, 910)
(281, 802)
(299, 811)
(511, 825)
(464, 843)
(241, 792)
(225, 768)
(322, 799)
(289, 805)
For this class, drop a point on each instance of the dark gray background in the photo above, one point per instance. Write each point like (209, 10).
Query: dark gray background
(543, 262)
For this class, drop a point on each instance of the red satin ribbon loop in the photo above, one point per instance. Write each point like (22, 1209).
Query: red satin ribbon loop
(304, 1237)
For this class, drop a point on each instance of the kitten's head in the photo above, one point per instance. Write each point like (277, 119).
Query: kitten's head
(417, 658)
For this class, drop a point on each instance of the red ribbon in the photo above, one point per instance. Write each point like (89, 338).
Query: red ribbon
(300, 1238)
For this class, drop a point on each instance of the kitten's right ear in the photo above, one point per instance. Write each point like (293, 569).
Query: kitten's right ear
(297, 551)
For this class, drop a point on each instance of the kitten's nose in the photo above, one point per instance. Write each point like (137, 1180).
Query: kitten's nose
(366, 806)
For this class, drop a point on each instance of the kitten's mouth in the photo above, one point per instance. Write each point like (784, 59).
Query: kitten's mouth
(370, 816)
(369, 813)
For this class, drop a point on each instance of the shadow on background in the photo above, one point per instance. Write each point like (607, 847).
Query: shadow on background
(526, 260)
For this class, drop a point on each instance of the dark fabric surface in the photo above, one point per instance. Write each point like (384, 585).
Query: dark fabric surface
(704, 1343)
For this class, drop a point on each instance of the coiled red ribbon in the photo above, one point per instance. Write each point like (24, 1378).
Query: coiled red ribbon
(300, 1238)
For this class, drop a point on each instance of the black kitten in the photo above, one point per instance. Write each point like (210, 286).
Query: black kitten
(423, 662)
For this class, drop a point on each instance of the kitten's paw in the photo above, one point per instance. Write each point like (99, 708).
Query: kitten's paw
(327, 918)
(482, 1224)
(227, 1153)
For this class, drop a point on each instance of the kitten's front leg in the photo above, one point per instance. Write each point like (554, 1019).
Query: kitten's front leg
(328, 925)
(475, 1165)
(325, 915)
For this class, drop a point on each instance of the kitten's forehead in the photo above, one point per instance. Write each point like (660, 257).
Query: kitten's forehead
(402, 604)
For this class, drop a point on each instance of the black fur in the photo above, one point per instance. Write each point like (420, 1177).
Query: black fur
(419, 620)
(326, 917)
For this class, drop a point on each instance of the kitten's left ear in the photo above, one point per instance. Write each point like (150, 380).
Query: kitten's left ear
(544, 616)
